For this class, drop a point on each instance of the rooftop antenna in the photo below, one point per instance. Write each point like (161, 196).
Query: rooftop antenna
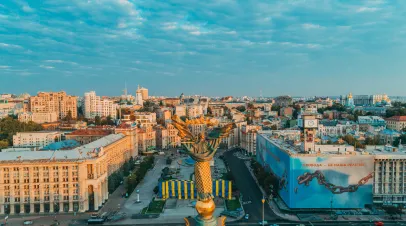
(260, 94)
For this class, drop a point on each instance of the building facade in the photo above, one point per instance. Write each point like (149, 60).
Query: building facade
(38, 117)
(146, 139)
(396, 123)
(249, 138)
(35, 139)
(60, 181)
(86, 136)
(58, 102)
(96, 106)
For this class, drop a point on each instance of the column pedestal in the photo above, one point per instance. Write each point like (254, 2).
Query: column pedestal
(41, 207)
(12, 209)
(51, 207)
(32, 208)
(61, 207)
(70, 206)
(22, 209)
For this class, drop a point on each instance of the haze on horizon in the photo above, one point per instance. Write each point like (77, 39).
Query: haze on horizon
(213, 48)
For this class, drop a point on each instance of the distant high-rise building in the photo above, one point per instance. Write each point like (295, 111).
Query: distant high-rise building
(95, 106)
(138, 98)
(144, 92)
(59, 102)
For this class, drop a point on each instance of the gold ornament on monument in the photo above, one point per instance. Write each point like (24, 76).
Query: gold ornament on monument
(201, 147)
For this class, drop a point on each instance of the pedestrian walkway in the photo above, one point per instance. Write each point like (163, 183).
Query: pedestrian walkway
(271, 203)
(146, 188)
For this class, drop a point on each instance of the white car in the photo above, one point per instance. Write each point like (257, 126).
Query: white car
(247, 216)
(28, 222)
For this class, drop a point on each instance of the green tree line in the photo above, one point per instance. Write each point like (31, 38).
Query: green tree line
(10, 126)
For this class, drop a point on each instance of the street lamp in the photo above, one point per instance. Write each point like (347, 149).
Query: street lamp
(263, 211)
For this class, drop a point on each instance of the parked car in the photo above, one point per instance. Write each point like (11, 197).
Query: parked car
(28, 222)
(247, 216)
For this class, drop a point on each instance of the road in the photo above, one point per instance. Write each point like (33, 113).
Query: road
(250, 190)
(292, 224)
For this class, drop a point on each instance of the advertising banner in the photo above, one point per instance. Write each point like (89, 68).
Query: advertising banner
(335, 181)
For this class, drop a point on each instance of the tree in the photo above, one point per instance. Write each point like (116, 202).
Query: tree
(209, 111)
(10, 126)
(393, 210)
(241, 108)
(274, 127)
(275, 108)
(3, 144)
(402, 139)
(156, 190)
(161, 103)
(97, 120)
(110, 120)
(250, 106)
(68, 116)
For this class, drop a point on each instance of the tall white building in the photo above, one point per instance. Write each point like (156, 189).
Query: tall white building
(95, 106)
(138, 98)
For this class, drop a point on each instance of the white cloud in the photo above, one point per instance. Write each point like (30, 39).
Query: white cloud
(169, 25)
(311, 26)
(54, 61)
(4, 66)
(46, 67)
(5, 45)
(230, 32)
(367, 9)
(27, 9)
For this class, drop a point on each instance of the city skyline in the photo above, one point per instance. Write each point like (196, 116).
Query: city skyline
(216, 48)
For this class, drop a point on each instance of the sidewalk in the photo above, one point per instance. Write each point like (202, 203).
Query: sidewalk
(271, 203)
(146, 188)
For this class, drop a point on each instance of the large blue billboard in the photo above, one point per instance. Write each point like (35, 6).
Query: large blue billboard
(319, 181)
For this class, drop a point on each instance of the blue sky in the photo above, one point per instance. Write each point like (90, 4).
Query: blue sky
(219, 47)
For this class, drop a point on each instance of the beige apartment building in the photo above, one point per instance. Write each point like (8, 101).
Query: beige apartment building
(35, 139)
(145, 119)
(249, 138)
(396, 122)
(60, 181)
(38, 117)
(167, 137)
(146, 138)
(58, 102)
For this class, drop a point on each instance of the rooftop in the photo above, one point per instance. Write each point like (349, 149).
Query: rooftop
(397, 118)
(90, 132)
(80, 153)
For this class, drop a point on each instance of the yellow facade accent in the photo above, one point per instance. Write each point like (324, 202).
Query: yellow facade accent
(185, 187)
(217, 188)
(163, 190)
(223, 188)
(173, 188)
(229, 190)
(179, 190)
(192, 191)
(167, 189)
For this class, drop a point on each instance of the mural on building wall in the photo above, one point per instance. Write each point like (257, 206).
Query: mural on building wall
(319, 182)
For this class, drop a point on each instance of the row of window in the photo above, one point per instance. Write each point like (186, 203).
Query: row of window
(37, 199)
(45, 168)
(45, 180)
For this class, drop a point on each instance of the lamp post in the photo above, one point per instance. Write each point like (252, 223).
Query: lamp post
(263, 211)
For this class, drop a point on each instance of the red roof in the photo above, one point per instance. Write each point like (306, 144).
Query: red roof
(90, 132)
(397, 118)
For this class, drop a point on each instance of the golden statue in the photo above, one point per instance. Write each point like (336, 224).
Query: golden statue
(202, 148)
